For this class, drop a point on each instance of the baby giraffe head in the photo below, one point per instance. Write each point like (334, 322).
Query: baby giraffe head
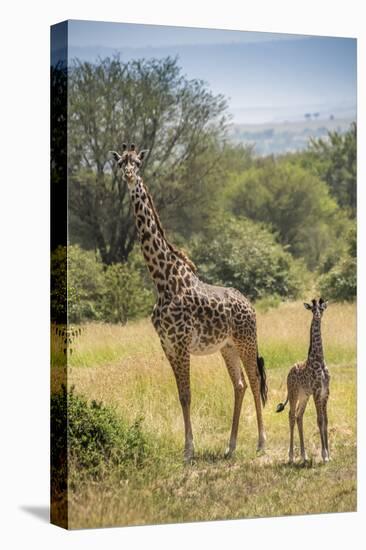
(129, 162)
(317, 308)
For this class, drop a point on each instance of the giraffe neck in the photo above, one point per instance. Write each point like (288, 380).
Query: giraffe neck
(168, 267)
(316, 344)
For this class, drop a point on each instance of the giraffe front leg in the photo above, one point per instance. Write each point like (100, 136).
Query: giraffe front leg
(180, 364)
(300, 425)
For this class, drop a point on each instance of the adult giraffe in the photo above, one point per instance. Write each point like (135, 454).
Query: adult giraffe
(192, 317)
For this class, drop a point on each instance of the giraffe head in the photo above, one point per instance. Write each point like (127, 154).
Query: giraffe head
(129, 162)
(317, 308)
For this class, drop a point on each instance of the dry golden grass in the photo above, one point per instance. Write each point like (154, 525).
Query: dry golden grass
(125, 367)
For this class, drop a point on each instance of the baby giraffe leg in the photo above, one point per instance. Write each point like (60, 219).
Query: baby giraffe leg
(292, 395)
(233, 365)
(321, 425)
(291, 418)
(299, 417)
(325, 416)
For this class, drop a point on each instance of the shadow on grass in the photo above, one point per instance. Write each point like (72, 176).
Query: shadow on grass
(308, 464)
(210, 456)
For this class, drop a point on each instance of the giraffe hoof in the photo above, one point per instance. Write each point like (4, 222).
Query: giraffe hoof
(261, 444)
(188, 457)
(229, 452)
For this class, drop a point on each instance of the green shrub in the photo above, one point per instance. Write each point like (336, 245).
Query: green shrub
(243, 254)
(340, 283)
(98, 440)
(86, 285)
(96, 292)
(127, 294)
(292, 201)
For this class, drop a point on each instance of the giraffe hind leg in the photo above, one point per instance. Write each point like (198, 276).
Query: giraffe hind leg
(325, 414)
(233, 365)
(293, 399)
(249, 359)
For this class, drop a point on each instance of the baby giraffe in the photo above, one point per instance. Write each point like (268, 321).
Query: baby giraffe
(309, 378)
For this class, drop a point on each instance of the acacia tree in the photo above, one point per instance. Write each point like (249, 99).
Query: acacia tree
(150, 103)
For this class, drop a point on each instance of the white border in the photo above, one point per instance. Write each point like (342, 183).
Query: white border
(24, 287)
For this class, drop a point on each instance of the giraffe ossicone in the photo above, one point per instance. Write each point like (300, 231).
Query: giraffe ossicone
(190, 316)
(309, 378)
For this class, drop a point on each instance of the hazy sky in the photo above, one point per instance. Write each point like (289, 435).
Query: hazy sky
(119, 35)
(265, 76)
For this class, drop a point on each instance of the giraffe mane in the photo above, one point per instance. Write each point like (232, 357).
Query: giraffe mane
(171, 246)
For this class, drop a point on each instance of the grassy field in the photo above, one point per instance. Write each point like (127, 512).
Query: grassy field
(125, 368)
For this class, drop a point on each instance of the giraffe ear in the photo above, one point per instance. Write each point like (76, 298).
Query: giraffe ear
(143, 153)
(323, 303)
(307, 306)
(115, 155)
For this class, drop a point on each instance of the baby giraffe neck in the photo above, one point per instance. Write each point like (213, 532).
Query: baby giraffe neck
(316, 344)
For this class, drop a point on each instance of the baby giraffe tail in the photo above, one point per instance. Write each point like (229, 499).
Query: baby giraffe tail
(281, 406)
(262, 375)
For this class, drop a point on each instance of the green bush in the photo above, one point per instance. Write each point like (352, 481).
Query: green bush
(86, 285)
(96, 292)
(293, 202)
(243, 254)
(128, 295)
(97, 439)
(340, 283)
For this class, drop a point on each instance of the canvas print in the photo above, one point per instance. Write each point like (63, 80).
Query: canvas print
(203, 274)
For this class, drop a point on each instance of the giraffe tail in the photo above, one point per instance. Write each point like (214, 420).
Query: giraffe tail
(263, 377)
(281, 406)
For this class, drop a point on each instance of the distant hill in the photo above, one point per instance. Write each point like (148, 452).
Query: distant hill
(284, 137)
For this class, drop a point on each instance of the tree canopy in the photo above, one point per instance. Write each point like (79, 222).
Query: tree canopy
(150, 103)
(294, 202)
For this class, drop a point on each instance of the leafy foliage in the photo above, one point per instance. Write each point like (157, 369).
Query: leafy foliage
(86, 284)
(128, 295)
(97, 438)
(335, 160)
(340, 283)
(96, 292)
(149, 102)
(293, 202)
(243, 254)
